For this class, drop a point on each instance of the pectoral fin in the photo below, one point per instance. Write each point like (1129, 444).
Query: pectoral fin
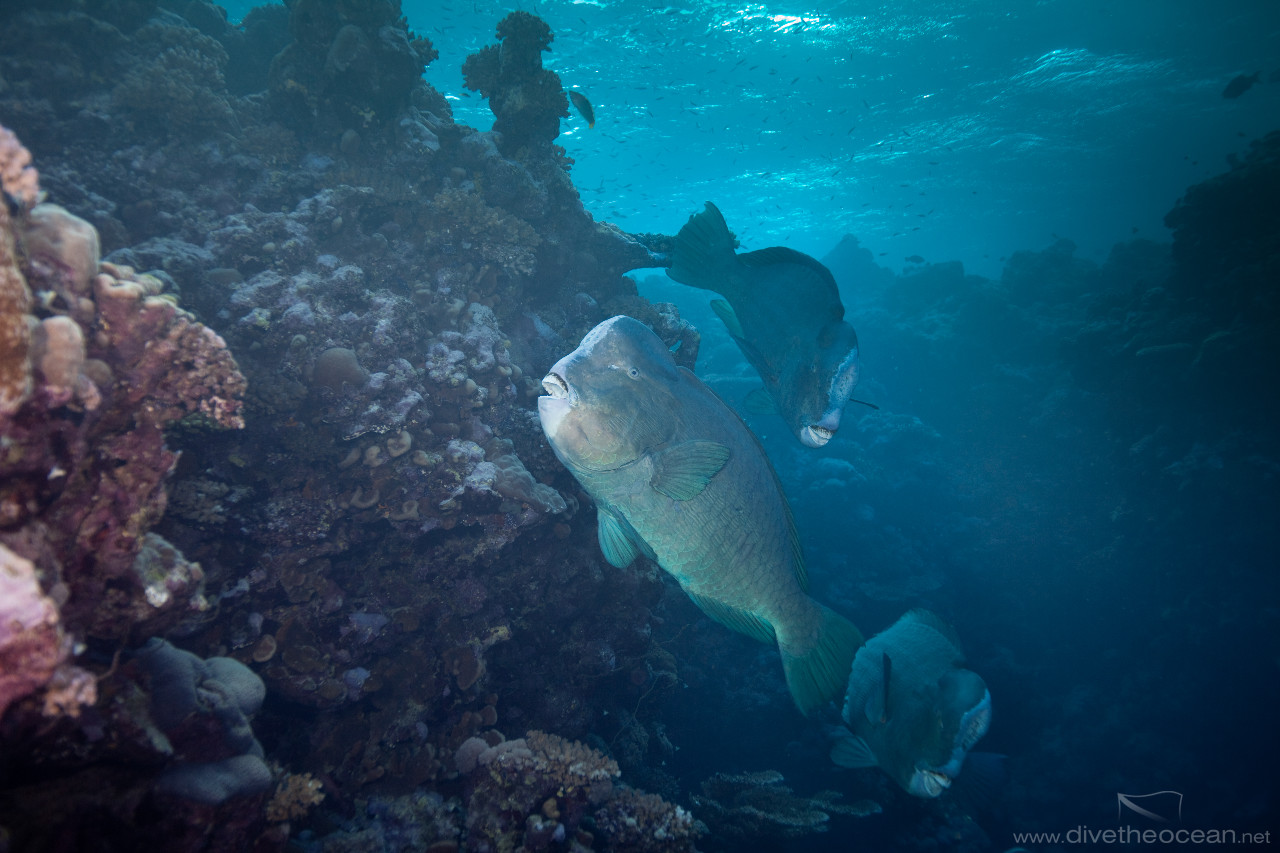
(616, 545)
(760, 402)
(852, 751)
(727, 316)
(683, 470)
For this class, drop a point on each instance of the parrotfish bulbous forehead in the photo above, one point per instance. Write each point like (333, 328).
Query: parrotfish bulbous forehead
(603, 397)
(912, 708)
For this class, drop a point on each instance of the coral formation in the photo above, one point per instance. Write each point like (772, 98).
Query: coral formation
(646, 823)
(350, 66)
(19, 180)
(202, 709)
(32, 644)
(527, 99)
(753, 806)
(541, 792)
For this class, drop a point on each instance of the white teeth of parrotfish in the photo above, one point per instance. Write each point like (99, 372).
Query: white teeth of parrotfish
(555, 386)
(678, 478)
(816, 436)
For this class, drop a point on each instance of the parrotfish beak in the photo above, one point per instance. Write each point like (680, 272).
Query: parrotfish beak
(818, 434)
(928, 783)
(553, 407)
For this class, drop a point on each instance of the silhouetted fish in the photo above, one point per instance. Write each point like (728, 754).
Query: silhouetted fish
(1241, 84)
(783, 309)
(677, 476)
(583, 106)
(914, 259)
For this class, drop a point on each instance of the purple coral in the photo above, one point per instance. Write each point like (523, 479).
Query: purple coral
(31, 641)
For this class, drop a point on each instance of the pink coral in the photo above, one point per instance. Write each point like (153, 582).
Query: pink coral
(31, 643)
(15, 297)
(17, 176)
(86, 391)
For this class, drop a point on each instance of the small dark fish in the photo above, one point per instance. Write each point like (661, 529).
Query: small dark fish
(914, 259)
(1241, 84)
(583, 106)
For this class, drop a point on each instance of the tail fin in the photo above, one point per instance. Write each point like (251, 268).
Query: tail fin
(703, 254)
(820, 675)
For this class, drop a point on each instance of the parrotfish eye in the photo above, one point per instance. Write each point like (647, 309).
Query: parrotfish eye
(634, 373)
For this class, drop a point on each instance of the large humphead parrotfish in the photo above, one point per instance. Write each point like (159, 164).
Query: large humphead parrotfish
(677, 476)
(912, 709)
(783, 310)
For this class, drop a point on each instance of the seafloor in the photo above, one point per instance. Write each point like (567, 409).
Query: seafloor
(284, 551)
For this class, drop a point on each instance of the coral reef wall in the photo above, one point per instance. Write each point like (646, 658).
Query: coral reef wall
(359, 508)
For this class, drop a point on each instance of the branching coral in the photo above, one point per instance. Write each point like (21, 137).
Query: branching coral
(296, 794)
(533, 790)
(646, 823)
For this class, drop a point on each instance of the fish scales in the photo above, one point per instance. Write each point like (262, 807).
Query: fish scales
(677, 476)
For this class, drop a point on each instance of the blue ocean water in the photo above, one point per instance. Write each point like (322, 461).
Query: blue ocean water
(1072, 455)
(949, 130)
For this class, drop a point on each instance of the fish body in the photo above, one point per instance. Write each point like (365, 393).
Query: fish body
(783, 310)
(583, 106)
(1240, 84)
(677, 476)
(911, 707)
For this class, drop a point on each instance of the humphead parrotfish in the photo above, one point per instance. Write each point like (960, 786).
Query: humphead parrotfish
(914, 711)
(677, 476)
(783, 310)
